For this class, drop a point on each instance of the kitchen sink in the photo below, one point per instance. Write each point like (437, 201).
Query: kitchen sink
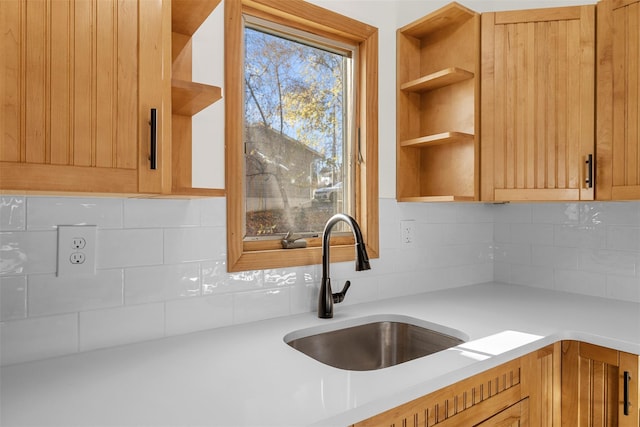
(374, 342)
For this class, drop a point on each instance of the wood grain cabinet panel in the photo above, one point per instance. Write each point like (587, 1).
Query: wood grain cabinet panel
(77, 83)
(618, 100)
(593, 386)
(516, 415)
(537, 104)
(519, 393)
(467, 403)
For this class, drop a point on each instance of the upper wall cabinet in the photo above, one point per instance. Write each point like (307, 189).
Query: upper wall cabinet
(78, 82)
(538, 104)
(618, 106)
(438, 91)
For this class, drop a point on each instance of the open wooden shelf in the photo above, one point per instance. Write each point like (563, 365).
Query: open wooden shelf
(188, 15)
(450, 15)
(189, 98)
(437, 148)
(437, 139)
(437, 80)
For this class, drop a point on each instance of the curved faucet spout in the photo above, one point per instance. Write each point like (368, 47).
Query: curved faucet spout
(326, 298)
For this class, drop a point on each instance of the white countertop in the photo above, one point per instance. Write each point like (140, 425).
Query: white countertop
(246, 375)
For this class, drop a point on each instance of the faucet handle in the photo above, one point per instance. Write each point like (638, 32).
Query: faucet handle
(339, 296)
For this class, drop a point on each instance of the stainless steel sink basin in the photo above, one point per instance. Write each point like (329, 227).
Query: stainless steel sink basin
(374, 344)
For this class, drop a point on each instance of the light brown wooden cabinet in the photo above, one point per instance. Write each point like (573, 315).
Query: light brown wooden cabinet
(438, 89)
(521, 392)
(538, 104)
(596, 382)
(78, 82)
(569, 383)
(618, 100)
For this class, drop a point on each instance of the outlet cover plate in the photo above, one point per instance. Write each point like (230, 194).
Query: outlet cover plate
(76, 250)
(407, 233)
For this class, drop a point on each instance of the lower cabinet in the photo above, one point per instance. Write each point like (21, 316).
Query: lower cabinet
(599, 386)
(568, 383)
(494, 397)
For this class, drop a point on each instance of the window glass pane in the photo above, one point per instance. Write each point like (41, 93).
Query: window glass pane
(297, 133)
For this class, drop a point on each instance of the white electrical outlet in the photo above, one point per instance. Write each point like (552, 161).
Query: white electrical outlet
(76, 250)
(407, 233)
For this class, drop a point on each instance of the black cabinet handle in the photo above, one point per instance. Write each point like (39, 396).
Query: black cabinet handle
(589, 163)
(627, 401)
(153, 158)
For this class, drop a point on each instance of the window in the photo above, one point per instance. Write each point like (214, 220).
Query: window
(298, 131)
(301, 130)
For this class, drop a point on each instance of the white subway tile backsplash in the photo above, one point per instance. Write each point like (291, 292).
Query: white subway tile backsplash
(296, 276)
(213, 212)
(623, 238)
(129, 248)
(512, 253)
(12, 213)
(556, 213)
(165, 260)
(539, 234)
(215, 279)
(197, 314)
(13, 297)
(593, 243)
(580, 282)
(122, 325)
(259, 305)
(161, 283)
(582, 235)
(623, 288)
(407, 283)
(502, 272)
(606, 261)
(156, 213)
(612, 213)
(46, 213)
(38, 338)
(554, 256)
(531, 275)
(194, 244)
(304, 299)
(474, 212)
(362, 289)
(49, 294)
(466, 275)
(518, 213)
(23, 252)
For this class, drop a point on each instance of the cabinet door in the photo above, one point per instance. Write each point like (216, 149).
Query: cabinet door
(77, 84)
(593, 388)
(629, 389)
(537, 113)
(514, 416)
(618, 107)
